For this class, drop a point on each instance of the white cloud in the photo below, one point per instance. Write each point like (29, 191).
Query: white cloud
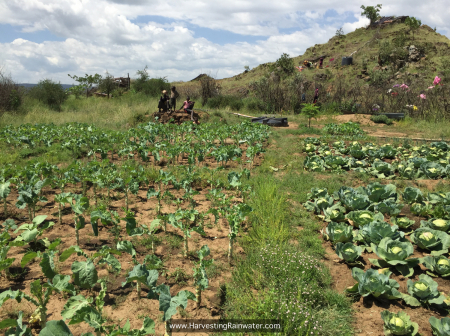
(101, 34)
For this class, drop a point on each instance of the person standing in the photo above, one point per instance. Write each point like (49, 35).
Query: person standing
(321, 63)
(163, 100)
(173, 97)
(316, 96)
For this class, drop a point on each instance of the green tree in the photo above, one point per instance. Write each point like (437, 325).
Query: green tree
(50, 93)
(413, 24)
(86, 83)
(285, 63)
(107, 84)
(311, 111)
(340, 33)
(150, 86)
(371, 12)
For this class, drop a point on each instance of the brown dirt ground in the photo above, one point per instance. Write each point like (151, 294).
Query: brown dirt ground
(121, 302)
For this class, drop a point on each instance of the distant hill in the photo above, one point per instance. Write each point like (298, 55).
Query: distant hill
(364, 45)
(28, 85)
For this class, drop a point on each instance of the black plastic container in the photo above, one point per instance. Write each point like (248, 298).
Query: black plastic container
(347, 61)
(396, 116)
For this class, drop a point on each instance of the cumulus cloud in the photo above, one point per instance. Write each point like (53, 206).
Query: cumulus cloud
(102, 34)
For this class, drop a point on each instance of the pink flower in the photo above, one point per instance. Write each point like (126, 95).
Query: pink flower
(423, 96)
(436, 80)
(431, 87)
(404, 86)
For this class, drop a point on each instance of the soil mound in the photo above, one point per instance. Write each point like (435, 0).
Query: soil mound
(175, 117)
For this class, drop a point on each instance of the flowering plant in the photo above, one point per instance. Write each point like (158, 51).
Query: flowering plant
(423, 96)
(436, 80)
(404, 87)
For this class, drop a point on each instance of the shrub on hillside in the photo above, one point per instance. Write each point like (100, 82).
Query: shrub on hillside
(10, 94)
(256, 104)
(150, 86)
(50, 93)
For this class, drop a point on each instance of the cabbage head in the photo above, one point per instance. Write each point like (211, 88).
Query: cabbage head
(348, 252)
(395, 253)
(363, 217)
(402, 222)
(339, 232)
(398, 324)
(436, 224)
(440, 327)
(438, 265)
(436, 241)
(425, 291)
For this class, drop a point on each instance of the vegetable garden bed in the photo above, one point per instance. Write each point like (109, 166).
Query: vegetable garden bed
(387, 161)
(390, 251)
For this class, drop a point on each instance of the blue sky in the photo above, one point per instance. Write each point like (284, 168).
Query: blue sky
(179, 40)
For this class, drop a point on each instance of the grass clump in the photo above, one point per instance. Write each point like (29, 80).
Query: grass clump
(381, 119)
(293, 287)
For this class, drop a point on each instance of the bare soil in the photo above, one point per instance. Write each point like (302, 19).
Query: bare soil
(122, 303)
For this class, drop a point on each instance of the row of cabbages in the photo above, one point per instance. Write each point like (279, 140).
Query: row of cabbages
(409, 162)
(365, 208)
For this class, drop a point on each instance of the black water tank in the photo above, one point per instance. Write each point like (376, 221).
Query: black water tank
(347, 60)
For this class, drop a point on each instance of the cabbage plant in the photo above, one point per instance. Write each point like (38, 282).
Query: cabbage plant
(422, 209)
(376, 231)
(437, 265)
(335, 213)
(412, 195)
(424, 291)
(432, 170)
(309, 148)
(349, 253)
(363, 217)
(407, 171)
(389, 207)
(376, 283)
(395, 253)
(355, 201)
(402, 222)
(398, 324)
(378, 192)
(314, 163)
(319, 204)
(439, 198)
(338, 232)
(381, 169)
(436, 224)
(436, 241)
(440, 327)
(317, 192)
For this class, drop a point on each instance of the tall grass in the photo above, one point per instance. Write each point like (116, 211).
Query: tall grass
(114, 113)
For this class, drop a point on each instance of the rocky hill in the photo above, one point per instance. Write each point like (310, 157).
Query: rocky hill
(387, 51)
